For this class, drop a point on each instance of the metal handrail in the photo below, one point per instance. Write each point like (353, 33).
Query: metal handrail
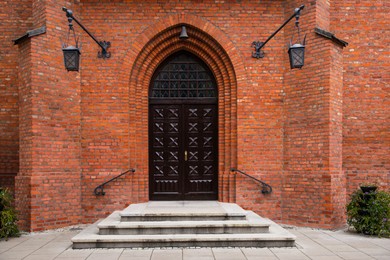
(265, 188)
(99, 190)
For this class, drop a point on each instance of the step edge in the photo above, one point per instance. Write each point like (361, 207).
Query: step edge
(183, 237)
(172, 224)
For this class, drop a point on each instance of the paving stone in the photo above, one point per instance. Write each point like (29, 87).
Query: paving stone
(325, 257)
(11, 242)
(382, 257)
(257, 252)
(328, 243)
(383, 242)
(132, 254)
(25, 247)
(43, 237)
(166, 254)
(197, 251)
(105, 254)
(58, 244)
(354, 255)
(41, 257)
(307, 244)
(73, 258)
(48, 251)
(18, 254)
(194, 257)
(70, 253)
(33, 244)
(66, 236)
(340, 248)
(284, 250)
(294, 256)
(288, 253)
(259, 257)
(374, 250)
(228, 254)
(316, 251)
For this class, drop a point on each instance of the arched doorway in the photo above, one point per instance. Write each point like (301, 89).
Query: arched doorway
(183, 130)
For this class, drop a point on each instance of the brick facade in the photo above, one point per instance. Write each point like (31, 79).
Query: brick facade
(366, 101)
(313, 134)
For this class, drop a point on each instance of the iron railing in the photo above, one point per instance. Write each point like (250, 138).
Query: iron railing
(99, 190)
(265, 188)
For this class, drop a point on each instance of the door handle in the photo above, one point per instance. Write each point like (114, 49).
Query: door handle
(185, 156)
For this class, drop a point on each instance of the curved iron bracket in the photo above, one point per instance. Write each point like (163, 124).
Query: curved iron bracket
(258, 45)
(99, 190)
(258, 52)
(265, 188)
(104, 53)
(103, 44)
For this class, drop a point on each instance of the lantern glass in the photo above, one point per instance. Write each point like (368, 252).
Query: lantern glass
(71, 58)
(297, 55)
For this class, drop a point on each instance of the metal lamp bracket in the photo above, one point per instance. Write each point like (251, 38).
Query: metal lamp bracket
(258, 53)
(103, 44)
(104, 54)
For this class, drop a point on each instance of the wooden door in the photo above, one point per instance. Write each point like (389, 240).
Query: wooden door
(183, 132)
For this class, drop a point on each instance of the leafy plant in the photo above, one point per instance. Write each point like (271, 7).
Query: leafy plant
(8, 218)
(369, 213)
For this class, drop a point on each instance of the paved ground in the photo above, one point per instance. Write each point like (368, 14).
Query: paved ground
(311, 244)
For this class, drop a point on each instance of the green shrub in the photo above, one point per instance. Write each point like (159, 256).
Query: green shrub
(8, 219)
(369, 213)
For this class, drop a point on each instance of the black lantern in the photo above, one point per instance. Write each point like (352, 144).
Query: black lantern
(72, 53)
(71, 58)
(296, 52)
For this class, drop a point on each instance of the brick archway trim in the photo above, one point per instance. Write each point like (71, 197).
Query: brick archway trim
(150, 49)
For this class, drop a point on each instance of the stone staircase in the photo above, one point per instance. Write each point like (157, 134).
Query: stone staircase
(183, 224)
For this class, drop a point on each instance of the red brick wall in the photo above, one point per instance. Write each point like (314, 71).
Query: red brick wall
(48, 185)
(366, 106)
(260, 112)
(16, 20)
(301, 131)
(313, 184)
(22, 187)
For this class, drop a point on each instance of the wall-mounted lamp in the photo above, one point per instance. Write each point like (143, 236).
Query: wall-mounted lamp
(183, 34)
(72, 53)
(296, 51)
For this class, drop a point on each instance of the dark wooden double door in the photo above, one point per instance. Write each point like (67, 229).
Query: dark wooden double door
(183, 151)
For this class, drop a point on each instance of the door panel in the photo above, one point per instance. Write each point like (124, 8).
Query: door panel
(164, 151)
(183, 152)
(201, 146)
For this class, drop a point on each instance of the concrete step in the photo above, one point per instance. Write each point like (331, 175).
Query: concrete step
(182, 211)
(183, 224)
(277, 237)
(113, 226)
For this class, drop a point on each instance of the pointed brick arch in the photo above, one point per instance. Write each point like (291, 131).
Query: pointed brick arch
(152, 47)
